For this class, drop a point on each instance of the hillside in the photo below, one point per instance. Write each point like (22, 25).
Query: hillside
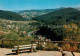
(60, 25)
(33, 13)
(11, 16)
(62, 15)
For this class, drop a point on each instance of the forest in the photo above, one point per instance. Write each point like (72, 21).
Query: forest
(60, 25)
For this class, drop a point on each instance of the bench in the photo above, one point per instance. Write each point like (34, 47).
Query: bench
(19, 48)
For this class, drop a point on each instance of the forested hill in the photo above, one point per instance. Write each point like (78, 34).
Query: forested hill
(60, 25)
(61, 16)
(11, 16)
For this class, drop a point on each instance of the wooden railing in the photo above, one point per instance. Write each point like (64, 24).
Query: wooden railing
(58, 42)
(38, 42)
(62, 42)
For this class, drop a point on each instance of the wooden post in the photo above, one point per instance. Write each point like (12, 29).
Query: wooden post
(63, 54)
(17, 52)
(2, 43)
(74, 49)
(31, 46)
(72, 53)
(39, 45)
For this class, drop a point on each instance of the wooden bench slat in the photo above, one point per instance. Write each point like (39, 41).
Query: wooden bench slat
(25, 45)
(21, 50)
(25, 48)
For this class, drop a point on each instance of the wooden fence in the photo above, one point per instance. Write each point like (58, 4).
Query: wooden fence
(62, 42)
(38, 42)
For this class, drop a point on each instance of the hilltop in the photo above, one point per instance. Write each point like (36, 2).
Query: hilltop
(9, 15)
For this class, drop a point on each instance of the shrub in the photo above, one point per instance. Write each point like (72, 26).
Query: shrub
(78, 50)
(70, 47)
(66, 47)
(39, 47)
(51, 47)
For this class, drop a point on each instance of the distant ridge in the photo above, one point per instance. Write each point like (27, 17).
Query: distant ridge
(34, 12)
(65, 15)
(9, 15)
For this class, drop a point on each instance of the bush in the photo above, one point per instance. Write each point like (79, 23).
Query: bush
(12, 35)
(66, 47)
(78, 50)
(39, 47)
(51, 47)
(11, 44)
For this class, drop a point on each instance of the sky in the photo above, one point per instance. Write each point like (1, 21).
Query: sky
(37, 4)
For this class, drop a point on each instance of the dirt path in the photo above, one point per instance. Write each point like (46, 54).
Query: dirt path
(8, 52)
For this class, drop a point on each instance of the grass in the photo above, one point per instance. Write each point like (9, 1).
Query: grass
(24, 22)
